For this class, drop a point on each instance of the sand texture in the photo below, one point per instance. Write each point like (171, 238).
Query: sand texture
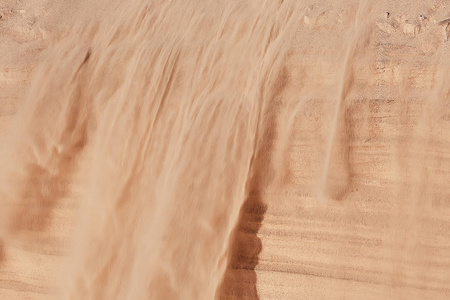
(245, 149)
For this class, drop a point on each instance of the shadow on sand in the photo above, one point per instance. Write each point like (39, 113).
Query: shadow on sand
(240, 278)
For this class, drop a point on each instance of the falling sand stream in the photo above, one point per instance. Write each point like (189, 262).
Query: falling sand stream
(149, 135)
(153, 122)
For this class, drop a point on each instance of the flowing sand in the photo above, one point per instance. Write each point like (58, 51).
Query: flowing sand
(224, 149)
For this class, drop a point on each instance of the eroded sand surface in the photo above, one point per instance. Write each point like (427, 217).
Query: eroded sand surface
(224, 149)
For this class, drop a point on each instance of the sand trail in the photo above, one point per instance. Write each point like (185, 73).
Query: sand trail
(237, 150)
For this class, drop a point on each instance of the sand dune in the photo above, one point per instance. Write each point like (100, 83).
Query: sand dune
(236, 150)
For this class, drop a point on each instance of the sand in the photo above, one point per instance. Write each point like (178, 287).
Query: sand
(224, 150)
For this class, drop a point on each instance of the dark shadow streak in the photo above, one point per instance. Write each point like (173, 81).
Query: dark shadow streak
(240, 278)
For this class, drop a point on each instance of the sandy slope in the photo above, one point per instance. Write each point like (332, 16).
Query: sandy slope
(135, 137)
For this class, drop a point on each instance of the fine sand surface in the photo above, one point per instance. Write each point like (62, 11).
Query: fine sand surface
(243, 149)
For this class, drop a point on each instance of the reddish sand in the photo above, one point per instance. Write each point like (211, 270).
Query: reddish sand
(224, 149)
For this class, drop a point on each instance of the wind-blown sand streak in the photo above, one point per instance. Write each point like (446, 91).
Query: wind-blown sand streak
(184, 150)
